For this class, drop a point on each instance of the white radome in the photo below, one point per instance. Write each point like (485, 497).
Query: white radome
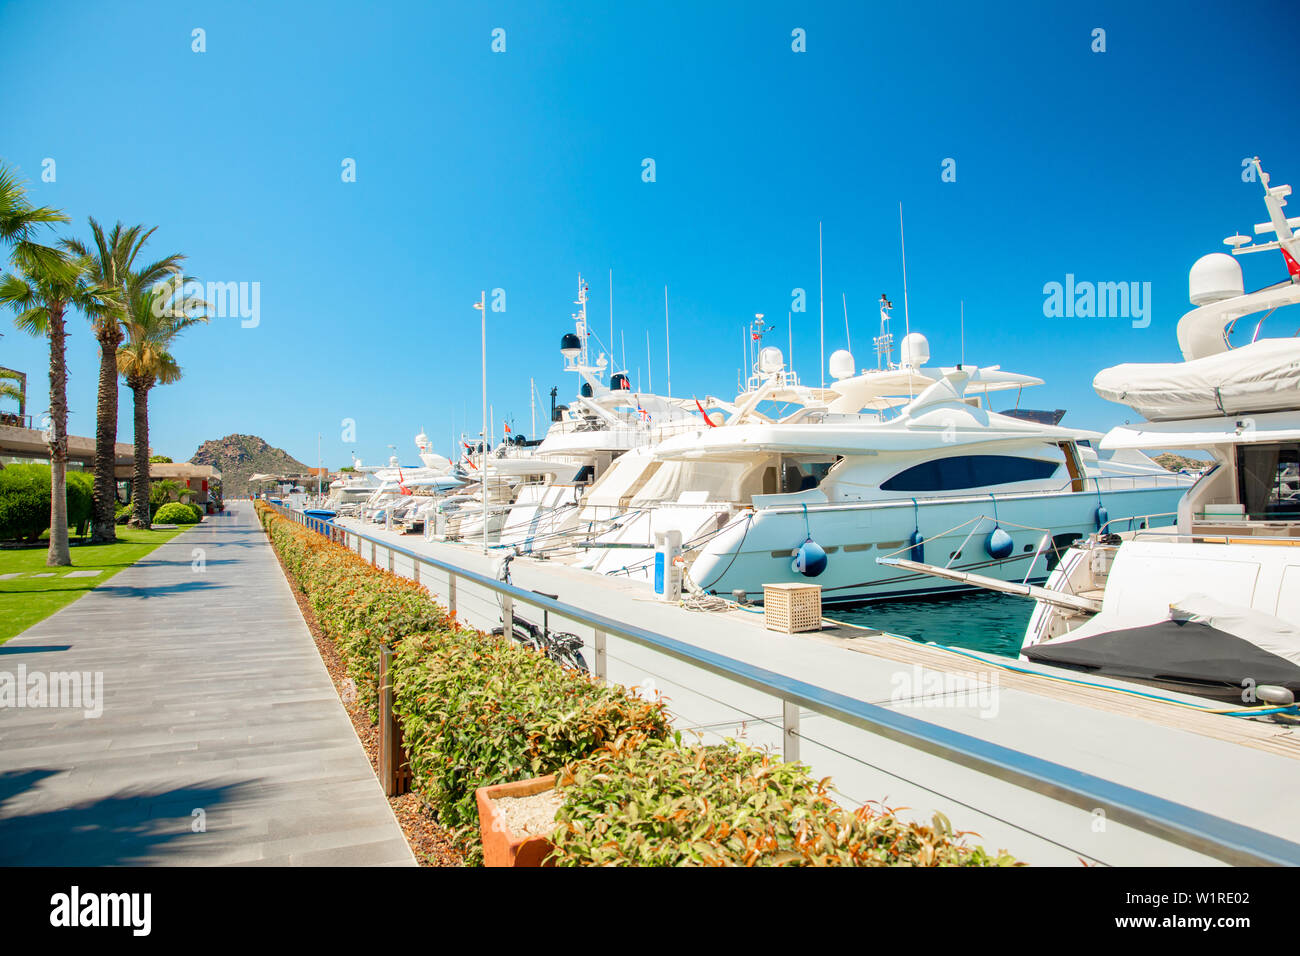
(1214, 278)
(842, 365)
(915, 350)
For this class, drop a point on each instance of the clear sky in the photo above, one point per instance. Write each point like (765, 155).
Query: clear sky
(516, 170)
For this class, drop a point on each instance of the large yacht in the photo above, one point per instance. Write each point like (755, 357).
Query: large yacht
(901, 459)
(1212, 605)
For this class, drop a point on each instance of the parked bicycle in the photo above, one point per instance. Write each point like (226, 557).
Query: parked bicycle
(560, 646)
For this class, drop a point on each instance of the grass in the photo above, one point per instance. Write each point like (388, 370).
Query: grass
(25, 600)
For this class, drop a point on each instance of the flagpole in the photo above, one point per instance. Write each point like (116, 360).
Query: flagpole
(668, 346)
(481, 305)
(821, 304)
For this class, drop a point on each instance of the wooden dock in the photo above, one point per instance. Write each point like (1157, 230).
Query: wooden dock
(221, 739)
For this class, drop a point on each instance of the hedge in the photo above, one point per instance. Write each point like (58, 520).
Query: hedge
(475, 709)
(25, 501)
(658, 803)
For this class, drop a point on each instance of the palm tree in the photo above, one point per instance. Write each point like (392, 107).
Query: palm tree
(41, 297)
(11, 391)
(154, 317)
(18, 222)
(111, 265)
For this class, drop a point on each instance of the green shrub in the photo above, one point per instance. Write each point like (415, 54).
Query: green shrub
(175, 513)
(478, 710)
(657, 803)
(81, 500)
(124, 513)
(199, 511)
(24, 501)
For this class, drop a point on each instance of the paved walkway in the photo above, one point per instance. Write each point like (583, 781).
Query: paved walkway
(221, 739)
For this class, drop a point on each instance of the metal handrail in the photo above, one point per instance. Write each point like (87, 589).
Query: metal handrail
(1167, 820)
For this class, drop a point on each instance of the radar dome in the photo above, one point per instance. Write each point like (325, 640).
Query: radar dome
(842, 365)
(915, 350)
(570, 346)
(771, 360)
(1214, 278)
(422, 440)
(392, 461)
(620, 382)
(585, 391)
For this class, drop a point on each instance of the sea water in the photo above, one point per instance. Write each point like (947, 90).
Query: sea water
(982, 621)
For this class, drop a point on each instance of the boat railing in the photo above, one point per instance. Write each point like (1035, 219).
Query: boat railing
(1134, 523)
(750, 689)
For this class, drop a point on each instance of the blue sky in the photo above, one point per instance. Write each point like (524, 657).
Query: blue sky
(516, 170)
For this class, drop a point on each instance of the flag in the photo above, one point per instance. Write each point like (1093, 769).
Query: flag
(645, 416)
(710, 421)
(506, 425)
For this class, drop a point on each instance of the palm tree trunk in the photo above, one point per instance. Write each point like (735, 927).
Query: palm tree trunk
(103, 526)
(59, 555)
(140, 480)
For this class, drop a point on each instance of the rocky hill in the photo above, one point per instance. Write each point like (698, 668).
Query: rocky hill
(239, 456)
(1179, 462)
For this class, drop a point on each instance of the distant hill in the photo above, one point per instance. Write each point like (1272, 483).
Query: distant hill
(239, 456)
(1179, 462)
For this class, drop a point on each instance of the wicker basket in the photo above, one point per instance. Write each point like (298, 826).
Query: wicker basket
(792, 608)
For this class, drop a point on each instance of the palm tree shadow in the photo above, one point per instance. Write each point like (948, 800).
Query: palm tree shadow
(156, 590)
(134, 826)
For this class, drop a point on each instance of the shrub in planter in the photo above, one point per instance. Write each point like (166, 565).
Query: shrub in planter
(175, 513)
(657, 803)
(478, 710)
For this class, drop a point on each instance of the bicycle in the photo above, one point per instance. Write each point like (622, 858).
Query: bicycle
(561, 647)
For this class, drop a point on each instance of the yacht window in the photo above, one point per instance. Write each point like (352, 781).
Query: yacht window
(1269, 477)
(969, 471)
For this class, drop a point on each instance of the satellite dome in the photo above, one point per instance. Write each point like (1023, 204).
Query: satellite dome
(585, 391)
(842, 364)
(1214, 278)
(620, 382)
(570, 346)
(770, 359)
(422, 440)
(915, 350)
(392, 461)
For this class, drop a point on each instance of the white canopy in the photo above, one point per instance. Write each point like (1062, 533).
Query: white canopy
(1260, 377)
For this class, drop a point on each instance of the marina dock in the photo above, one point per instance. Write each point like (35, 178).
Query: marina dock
(221, 738)
(1118, 732)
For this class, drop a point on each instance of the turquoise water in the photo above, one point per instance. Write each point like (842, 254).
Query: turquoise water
(994, 623)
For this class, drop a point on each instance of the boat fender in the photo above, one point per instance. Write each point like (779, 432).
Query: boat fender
(809, 559)
(998, 544)
(1102, 516)
(917, 544)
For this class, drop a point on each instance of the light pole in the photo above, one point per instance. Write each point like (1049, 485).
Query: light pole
(318, 468)
(481, 305)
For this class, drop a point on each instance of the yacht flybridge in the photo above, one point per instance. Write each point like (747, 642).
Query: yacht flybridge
(1213, 605)
(902, 458)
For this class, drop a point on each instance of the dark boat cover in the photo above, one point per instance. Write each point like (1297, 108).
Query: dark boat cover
(1189, 656)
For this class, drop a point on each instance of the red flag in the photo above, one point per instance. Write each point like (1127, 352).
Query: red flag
(712, 423)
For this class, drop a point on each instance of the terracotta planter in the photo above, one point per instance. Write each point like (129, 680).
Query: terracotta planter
(500, 846)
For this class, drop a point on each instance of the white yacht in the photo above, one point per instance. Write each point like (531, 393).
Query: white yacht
(1213, 605)
(902, 459)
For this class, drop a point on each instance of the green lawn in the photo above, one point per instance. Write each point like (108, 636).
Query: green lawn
(25, 599)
